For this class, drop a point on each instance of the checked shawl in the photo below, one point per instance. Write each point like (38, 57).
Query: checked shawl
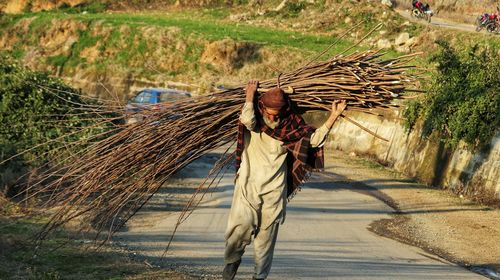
(295, 135)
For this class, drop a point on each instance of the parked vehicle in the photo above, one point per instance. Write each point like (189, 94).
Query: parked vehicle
(149, 100)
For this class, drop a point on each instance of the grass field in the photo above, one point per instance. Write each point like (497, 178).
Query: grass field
(60, 257)
(195, 31)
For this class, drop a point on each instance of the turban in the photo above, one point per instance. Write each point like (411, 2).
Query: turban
(274, 98)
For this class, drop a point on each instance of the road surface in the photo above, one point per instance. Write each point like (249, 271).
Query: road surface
(440, 22)
(325, 235)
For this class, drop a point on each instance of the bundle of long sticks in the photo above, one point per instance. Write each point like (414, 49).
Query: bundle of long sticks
(112, 179)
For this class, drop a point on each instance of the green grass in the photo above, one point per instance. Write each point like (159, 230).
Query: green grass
(194, 30)
(207, 28)
(57, 60)
(370, 163)
(20, 260)
(17, 51)
(86, 40)
(219, 13)
(74, 260)
(37, 27)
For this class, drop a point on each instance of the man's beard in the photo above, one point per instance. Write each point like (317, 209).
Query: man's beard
(270, 123)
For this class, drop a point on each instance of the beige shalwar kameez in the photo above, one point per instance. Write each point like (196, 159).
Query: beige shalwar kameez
(259, 199)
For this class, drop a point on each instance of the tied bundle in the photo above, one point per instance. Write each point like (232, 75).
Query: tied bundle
(115, 176)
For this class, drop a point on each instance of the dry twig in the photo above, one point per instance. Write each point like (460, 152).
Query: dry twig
(114, 177)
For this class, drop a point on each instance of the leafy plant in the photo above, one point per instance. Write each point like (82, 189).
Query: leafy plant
(39, 116)
(57, 60)
(292, 9)
(463, 101)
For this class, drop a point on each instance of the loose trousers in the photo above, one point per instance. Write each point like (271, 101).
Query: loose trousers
(243, 224)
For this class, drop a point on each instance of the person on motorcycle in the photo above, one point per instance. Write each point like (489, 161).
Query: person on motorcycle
(492, 24)
(490, 21)
(487, 18)
(420, 6)
(416, 3)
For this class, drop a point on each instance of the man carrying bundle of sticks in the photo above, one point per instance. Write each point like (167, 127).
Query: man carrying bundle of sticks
(276, 151)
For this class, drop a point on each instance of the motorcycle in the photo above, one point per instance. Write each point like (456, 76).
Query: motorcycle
(491, 24)
(425, 15)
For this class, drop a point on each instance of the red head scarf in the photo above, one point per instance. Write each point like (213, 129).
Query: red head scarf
(274, 98)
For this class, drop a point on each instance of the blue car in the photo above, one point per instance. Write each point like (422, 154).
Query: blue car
(151, 99)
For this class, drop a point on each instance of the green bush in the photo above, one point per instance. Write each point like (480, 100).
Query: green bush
(39, 116)
(463, 99)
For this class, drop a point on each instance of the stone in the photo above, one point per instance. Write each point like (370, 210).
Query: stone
(384, 44)
(281, 5)
(402, 39)
(406, 48)
(403, 49)
(411, 42)
(239, 17)
(388, 3)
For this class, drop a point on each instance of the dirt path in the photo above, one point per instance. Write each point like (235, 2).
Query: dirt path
(329, 232)
(441, 22)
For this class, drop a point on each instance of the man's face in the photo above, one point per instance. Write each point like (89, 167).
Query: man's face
(271, 114)
(271, 117)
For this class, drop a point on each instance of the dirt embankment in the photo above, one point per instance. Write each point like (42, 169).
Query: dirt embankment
(19, 6)
(101, 58)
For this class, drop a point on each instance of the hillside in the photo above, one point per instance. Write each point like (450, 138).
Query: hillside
(197, 49)
(452, 7)
(111, 49)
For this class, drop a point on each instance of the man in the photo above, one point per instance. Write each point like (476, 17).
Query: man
(420, 6)
(275, 153)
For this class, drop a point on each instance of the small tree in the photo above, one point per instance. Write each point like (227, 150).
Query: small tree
(463, 99)
(39, 116)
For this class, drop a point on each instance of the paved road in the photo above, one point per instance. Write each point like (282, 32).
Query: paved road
(440, 22)
(325, 236)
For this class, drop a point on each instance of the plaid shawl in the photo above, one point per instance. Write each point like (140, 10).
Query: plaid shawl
(295, 135)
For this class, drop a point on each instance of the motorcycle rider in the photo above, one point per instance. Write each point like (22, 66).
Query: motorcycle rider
(420, 6)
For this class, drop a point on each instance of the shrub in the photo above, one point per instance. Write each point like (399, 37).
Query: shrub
(463, 100)
(35, 109)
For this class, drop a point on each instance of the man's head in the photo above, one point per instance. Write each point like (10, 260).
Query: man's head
(273, 104)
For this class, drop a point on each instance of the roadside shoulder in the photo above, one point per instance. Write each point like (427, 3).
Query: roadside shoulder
(433, 219)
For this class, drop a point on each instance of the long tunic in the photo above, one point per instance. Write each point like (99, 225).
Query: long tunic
(261, 178)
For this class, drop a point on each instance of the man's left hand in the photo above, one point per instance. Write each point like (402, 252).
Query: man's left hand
(338, 106)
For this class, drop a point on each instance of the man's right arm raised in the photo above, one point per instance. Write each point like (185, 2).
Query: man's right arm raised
(247, 116)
